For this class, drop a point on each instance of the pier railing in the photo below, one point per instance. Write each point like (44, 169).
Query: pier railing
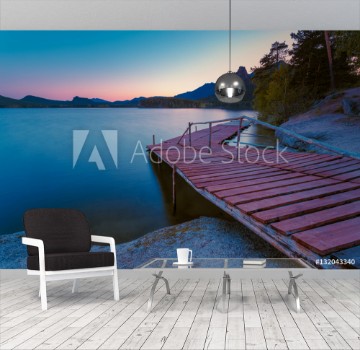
(266, 125)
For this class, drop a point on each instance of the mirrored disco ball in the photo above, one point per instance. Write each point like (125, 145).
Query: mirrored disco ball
(230, 88)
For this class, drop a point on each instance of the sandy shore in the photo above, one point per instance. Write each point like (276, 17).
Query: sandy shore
(207, 237)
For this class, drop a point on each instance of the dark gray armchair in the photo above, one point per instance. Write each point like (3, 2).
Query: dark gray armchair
(59, 242)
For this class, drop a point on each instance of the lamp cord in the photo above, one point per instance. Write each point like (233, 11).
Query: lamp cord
(229, 35)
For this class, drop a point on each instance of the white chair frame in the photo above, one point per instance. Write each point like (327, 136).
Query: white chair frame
(74, 274)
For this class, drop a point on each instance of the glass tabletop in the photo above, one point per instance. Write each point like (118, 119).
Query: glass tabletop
(223, 263)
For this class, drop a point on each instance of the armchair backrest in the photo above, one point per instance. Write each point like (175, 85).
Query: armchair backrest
(62, 230)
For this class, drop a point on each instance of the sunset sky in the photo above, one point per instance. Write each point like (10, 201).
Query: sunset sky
(119, 65)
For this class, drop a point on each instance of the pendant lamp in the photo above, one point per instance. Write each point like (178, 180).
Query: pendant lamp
(229, 87)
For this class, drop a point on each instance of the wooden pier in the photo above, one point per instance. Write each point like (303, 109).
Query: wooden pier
(305, 204)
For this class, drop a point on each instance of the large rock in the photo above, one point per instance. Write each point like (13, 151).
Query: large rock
(300, 145)
(351, 107)
(326, 122)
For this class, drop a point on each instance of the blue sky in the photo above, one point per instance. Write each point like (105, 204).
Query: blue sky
(118, 65)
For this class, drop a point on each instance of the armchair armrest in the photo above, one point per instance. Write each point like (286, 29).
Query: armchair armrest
(35, 242)
(108, 240)
(40, 245)
(104, 239)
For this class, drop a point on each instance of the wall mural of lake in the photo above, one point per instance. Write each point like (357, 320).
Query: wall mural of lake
(78, 110)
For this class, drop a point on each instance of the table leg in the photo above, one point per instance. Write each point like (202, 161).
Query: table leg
(226, 284)
(293, 285)
(229, 284)
(152, 291)
(225, 290)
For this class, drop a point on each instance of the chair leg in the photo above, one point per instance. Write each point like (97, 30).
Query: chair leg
(43, 293)
(116, 285)
(75, 286)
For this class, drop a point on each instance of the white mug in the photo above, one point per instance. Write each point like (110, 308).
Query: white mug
(183, 255)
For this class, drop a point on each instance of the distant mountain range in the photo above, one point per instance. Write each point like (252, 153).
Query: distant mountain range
(203, 92)
(202, 97)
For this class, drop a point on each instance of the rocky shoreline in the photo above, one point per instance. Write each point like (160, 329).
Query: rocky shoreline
(207, 237)
(334, 121)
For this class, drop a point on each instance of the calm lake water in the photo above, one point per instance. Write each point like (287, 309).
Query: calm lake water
(36, 153)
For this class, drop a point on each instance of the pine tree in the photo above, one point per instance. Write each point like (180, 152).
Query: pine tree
(330, 59)
(288, 82)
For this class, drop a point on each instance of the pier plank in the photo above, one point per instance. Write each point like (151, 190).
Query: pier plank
(318, 218)
(264, 204)
(333, 165)
(275, 184)
(274, 192)
(298, 163)
(239, 178)
(288, 211)
(272, 177)
(357, 180)
(327, 239)
(204, 171)
(209, 180)
(349, 176)
(342, 170)
(214, 173)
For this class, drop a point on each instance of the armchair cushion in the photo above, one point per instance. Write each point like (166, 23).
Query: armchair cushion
(62, 230)
(69, 261)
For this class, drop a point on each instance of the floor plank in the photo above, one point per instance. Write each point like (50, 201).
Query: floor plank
(324, 327)
(199, 328)
(127, 322)
(274, 336)
(258, 314)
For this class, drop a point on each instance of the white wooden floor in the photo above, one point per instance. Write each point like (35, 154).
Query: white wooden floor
(258, 315)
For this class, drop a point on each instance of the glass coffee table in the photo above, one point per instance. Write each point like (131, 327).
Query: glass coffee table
(226, 264)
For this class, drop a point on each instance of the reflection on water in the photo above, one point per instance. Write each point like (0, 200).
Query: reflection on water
(255, 135)
(189, 203)
(36, 152)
